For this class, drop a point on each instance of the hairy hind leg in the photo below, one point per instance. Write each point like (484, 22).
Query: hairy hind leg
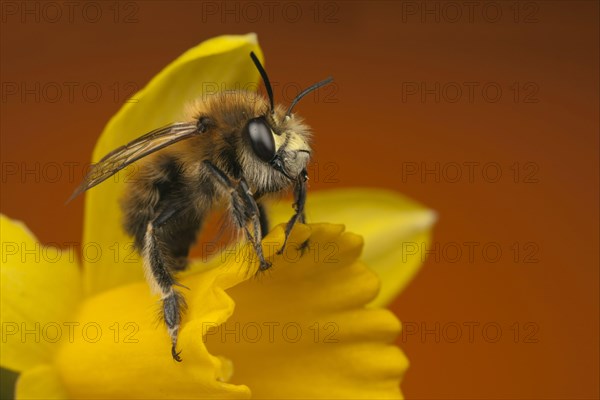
(162, 219)
(166, 242)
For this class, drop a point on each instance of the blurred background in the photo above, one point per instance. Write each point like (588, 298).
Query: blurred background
(486, 112)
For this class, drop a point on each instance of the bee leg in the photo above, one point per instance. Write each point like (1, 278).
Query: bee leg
(254, 212)
(244, 209)
(299, 216)
(264, 221)
(162, 281)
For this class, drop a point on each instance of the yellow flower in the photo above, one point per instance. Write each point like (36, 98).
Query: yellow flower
(302, 330)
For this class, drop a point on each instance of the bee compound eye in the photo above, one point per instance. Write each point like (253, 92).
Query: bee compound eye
(261, 138)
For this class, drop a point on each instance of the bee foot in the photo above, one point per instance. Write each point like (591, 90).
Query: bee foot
(175, 354)
(304, 247)
(264, 265)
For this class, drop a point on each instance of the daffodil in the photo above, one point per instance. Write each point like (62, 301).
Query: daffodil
(312, 326)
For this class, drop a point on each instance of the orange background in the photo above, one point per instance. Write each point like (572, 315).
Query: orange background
(542, 55)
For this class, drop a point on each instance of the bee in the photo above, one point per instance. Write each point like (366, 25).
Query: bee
(235, 149)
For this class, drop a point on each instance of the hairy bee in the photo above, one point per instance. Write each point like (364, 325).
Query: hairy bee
(235, 149)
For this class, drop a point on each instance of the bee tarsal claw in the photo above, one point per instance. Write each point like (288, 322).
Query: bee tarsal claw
(304, 247)
(264, 265)
(175, 354)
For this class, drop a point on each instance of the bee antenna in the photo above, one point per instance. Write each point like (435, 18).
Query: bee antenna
(265, 79)
(307, 91)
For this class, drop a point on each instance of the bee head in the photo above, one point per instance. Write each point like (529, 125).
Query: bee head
(279, 141)
(278, 138)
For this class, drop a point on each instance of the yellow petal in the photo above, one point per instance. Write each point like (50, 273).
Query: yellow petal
(121, 349)
(40, 289)
(41, 382)
(302, 330)
(396, 230)
(220, 61)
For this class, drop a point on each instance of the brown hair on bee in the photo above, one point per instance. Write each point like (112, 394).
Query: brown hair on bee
(235, 148)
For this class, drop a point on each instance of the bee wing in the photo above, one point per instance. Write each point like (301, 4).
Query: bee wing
(125, 155)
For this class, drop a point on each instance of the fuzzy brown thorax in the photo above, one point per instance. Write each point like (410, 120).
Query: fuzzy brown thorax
(227, 115)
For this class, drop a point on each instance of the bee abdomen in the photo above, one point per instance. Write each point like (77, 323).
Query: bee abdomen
(160, 195)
